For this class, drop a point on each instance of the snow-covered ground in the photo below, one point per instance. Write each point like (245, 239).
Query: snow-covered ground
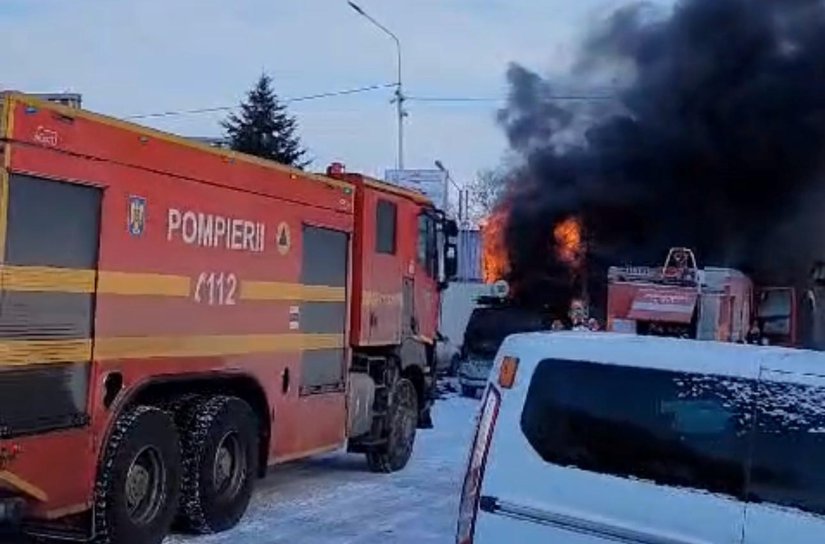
(334, 500)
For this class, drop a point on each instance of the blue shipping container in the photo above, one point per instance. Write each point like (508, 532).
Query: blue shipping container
(470, 255)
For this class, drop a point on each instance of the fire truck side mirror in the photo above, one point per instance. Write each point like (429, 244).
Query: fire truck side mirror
(451, 228)
(450, 261)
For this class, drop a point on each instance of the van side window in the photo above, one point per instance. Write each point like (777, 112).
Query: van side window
(386, 219)
(670, 428)
(789, 447)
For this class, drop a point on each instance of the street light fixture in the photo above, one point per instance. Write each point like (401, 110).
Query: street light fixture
(399, 89)
(462, 194)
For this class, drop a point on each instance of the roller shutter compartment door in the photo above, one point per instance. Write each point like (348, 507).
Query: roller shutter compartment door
(324, 264)
(47, 305)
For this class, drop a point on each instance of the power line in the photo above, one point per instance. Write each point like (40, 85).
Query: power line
(583, 97)
(330, 94)
(369, 88)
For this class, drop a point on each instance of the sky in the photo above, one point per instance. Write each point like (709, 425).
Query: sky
(141, 57)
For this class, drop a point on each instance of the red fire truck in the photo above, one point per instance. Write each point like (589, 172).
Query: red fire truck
(681, 300)
(176, 318)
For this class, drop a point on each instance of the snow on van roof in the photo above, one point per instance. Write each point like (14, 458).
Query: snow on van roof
(720, 358)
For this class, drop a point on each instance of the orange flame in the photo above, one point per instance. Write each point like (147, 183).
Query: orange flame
(569, 246)
(495, 261)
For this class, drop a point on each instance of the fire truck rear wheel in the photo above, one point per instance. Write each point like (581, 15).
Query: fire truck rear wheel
(220, 461)
(402, 420)
(138, 480)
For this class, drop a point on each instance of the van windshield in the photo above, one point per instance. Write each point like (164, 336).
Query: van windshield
(488, 327)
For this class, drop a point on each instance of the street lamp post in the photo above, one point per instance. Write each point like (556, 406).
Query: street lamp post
(399, 89)
(448, 178)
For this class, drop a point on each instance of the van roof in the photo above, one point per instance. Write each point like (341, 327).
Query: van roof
(720, 358)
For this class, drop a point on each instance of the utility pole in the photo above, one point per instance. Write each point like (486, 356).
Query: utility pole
(400, 98)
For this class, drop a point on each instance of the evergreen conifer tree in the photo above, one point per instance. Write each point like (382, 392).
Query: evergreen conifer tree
(265, 128)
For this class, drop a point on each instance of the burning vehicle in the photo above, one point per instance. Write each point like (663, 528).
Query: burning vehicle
(494, 319)
(709, 135)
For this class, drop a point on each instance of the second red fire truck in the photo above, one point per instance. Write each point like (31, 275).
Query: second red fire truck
(680, 299)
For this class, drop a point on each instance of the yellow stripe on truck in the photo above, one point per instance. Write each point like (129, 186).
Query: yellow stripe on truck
(67, 280)
(212, 346)
(40, 352)
(267, 290)
(47, 279)
(4, 199)
(137, 284)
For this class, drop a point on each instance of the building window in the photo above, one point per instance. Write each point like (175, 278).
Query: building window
(385, 227)
(675, 429)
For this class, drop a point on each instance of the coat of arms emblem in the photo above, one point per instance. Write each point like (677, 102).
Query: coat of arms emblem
(137, 215)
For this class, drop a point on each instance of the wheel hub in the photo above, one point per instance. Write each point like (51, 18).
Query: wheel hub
(229, 468)
(137, 484)
(223, 466)
(145, 482)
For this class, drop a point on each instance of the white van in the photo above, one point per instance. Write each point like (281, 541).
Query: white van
(601, 438)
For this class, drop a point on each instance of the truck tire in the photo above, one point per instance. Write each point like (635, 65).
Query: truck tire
(138, 480)
(220, 463)
(402, 420)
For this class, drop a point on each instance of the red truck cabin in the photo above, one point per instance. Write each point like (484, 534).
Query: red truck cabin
(397, 243)
(143, 270)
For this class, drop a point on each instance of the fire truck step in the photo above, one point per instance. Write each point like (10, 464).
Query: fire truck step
(372, 443)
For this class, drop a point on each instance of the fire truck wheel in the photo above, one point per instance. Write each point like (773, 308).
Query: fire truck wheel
(138, 480)
(220, 461)
(402, 420)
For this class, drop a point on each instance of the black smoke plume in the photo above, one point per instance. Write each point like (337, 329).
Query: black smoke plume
(716, 141)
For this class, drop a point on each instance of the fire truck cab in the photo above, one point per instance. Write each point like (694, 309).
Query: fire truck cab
(680, 299)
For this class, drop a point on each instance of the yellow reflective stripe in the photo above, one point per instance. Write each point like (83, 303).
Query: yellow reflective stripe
(5, 102)
(4, 198)
(68, 280)
(16, 483)
(47, 279)
(38, 352)
(30, 352)
(211, 346)
(269, 290)
(135, 284)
